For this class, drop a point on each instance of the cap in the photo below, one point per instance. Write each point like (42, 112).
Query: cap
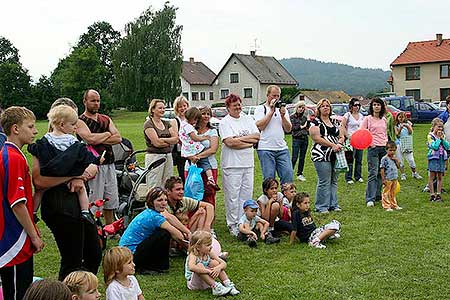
(251, 203)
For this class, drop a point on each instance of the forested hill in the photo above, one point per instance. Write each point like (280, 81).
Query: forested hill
(313, 74)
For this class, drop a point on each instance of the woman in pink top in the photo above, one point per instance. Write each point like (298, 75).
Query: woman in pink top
(376, 123)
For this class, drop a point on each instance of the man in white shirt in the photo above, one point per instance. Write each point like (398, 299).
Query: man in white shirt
(273, 151)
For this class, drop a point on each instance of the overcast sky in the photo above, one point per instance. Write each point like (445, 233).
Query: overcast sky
(363, 33)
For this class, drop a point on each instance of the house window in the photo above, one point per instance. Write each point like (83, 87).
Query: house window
(202, 96)
(444, 93)
(234, 77)
(211, 95)
(224, 93)
(248, 93)
(413, 73)
(186, 95)
(445, 71)
(194, 96)
(413, 93)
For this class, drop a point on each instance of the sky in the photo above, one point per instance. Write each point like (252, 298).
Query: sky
(361, 33)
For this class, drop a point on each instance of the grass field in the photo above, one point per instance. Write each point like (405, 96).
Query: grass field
(381, 255)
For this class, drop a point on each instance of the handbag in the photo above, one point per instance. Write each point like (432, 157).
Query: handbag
(406, 143)
(193, 187)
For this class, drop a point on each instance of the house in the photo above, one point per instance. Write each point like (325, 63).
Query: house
(196, 82)
(422, 70)
(250, 75)
(312, 97)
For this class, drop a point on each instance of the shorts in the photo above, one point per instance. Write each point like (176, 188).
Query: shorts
(204, 164)
(197, 283)
(334, 225)
(436, 165)
(104, 186)
(286, 216)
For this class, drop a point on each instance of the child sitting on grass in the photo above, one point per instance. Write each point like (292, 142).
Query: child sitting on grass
(305, 229)
(203, 267)
(118, 271)
(389, 177)
(250, 225)
(288, 190)
(83, 285)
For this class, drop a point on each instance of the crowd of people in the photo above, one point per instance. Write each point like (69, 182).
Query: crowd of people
(69, 172)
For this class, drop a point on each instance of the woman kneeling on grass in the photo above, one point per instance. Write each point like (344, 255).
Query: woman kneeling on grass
(305, 229)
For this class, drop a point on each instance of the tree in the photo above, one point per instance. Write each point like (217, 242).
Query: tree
(8, 53)
(287, 93)
(147, 62)
(79, 71)
(42, 94)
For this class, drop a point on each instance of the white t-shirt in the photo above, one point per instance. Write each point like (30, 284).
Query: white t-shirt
(352, 123)
(116, 291)
(263, 199)
(272, 137)
(236, 127)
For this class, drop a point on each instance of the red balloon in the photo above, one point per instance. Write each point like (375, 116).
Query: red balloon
(361, 139)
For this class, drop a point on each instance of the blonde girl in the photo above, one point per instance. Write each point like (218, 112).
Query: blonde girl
(403, 132)
(118, 272)
(437, 156)
(83, 285)
(288, 190)
(203, 267)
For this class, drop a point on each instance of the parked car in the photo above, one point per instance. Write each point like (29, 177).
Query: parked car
(395, 111)
(217, 114)
(442, 105)
(169, 114)
(426, 111)
(309, 109)
(339, 110)
(405, 103)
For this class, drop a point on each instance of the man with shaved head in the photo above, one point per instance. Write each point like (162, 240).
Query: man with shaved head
(101, 133)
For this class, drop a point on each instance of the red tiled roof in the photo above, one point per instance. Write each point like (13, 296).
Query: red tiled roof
(424, 52)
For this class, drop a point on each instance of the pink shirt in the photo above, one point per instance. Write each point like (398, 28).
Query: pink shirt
(378, 128)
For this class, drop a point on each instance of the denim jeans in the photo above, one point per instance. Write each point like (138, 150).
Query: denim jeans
(276, 160)
(326, 190)
(373, 190)
(357, 160)
(299, 146)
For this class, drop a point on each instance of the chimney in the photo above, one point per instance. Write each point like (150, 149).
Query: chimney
(439, 38)
(253, 53)
(191, 60)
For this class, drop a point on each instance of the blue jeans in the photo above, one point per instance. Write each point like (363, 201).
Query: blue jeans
(357, 160)
(276, 160)
(299, 146)
(326, 190)
(373, 190)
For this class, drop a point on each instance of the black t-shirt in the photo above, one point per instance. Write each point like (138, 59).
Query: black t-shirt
(303, 224)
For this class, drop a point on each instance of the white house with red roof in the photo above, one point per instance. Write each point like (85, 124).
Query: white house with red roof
(422, 70)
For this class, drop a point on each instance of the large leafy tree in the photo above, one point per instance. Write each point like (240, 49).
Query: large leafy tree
(42, 94)
(147, 62)
(8, 53)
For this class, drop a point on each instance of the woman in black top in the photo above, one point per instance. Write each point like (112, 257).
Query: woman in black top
(299, 138)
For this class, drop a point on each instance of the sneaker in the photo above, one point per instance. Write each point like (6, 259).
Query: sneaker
(270, 239)
(388, 209)
(234, 291)
(398, 208)
(234, 230)
(416, 175)
(323, 212)
(251, 242)
(301, 178)
(335, 236)
(336, 209)
(317, 244)
(213, 234)
(432, 198)
(426, 189)
(403, 177)
(87, 216)
(224, 256)
(220, 290)
(438, 198)
(370, 204)
(350, 182)
(361, 180)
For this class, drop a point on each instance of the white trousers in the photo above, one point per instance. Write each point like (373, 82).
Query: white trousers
(237, 184)
(405, 155)
(157, 177)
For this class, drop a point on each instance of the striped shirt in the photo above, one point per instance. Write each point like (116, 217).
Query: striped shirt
(331, 134)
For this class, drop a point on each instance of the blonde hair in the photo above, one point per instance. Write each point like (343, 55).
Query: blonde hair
(436, 122)
(300, 103)
(113, 262)
(80, 282)
(286, 186)
(153, 104)
(15, 115)
(271, 87)
(60, 114)
(319, 105)
(198, 239)
(178, 102)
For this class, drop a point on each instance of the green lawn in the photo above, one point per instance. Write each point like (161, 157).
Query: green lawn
(381, 255)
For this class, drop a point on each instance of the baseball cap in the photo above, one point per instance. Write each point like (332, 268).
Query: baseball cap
(251, 203)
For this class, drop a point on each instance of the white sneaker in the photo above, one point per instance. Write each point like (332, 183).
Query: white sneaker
(301, 178)
(361, 180)
(370, 204)
(398, 208)
(350, 182)
(403, 177)
(220, 290)
(335, 236)
(234, 291)
(389, 209)
(416, 176)
(317, 244)
(426, 189)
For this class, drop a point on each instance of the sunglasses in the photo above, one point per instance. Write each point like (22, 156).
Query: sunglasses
(358, 105)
